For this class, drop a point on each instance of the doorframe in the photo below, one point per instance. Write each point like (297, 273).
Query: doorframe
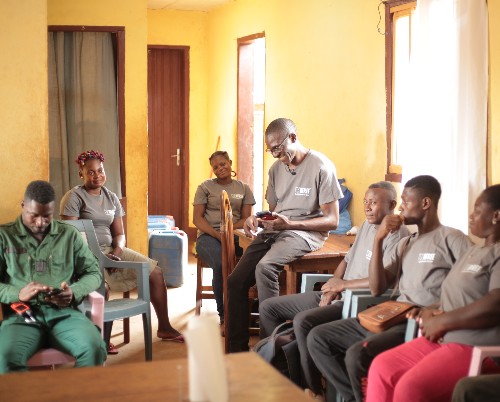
(243, 163)
(185, 131)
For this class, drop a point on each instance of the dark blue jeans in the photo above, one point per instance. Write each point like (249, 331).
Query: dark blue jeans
(210, 250)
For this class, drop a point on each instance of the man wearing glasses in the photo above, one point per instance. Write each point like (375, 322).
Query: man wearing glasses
(302, 194)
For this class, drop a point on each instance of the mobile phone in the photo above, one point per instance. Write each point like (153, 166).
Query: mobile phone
(53, 292)
(265, 215)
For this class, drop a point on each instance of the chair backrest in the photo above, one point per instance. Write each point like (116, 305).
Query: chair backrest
(228, 253)
(86, 228)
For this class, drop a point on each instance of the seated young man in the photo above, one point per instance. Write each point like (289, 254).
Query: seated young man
(343, 350)
(313, 308)
(40, 255)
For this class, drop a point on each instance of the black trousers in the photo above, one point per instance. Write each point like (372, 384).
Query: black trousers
(343, 351)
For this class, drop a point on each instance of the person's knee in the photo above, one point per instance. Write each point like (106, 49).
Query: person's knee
(91, 351)
(409, 385)
(156, 276)
(302, 323)
(353, 356)
(264, 271)
(11, 359)
(266, 308)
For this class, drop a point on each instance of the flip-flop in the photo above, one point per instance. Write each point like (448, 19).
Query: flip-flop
(112, 350)
(178, 338)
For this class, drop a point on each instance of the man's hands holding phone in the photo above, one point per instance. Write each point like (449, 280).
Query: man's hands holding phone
(267, 220)
(60, 297)
(265, 216)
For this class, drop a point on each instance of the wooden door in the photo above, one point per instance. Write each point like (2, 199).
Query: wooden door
(168, 93)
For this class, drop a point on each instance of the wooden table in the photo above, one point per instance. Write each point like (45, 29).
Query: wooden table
(250, 379)
(324, 260)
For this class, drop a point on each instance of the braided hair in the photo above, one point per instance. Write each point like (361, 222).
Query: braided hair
(88, 155)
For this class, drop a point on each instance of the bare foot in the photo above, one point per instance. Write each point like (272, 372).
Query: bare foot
(170, 335)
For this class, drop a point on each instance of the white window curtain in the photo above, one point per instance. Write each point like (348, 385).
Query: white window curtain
(82, 106)
(446, 131)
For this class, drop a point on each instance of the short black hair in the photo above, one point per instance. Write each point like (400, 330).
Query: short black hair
(427, 186)
(40, 191)
(386, 186)
(281, 125)
(492, 196)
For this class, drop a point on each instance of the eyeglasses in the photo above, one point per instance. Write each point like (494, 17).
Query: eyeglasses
(277, 148)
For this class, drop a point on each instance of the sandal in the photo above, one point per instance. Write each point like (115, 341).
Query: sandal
(112, 350)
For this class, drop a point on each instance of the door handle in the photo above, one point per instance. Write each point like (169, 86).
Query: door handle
(178, 156)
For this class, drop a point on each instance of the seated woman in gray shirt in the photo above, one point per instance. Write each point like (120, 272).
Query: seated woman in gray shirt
(427, 368)
(91, 200)
(206, 217)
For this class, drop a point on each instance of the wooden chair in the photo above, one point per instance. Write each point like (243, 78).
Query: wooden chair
(228, 254)
(121, 308)
(203, 292)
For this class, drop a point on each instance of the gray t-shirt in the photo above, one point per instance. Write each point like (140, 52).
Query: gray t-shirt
(359, 255)
(427, 259)
(102, 209)
(472, 277)
(299, 196)
(208, 193)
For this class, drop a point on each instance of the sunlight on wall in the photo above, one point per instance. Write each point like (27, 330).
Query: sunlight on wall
(23, 100)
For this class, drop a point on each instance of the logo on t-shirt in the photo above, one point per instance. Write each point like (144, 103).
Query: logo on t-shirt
(426, 257)
(237, 196)
(368, 255)
(472, 268)
(110, 212)
(302, 191)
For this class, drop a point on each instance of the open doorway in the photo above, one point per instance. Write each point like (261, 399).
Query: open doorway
(251, 101)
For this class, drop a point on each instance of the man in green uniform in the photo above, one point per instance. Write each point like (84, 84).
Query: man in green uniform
(38, 258)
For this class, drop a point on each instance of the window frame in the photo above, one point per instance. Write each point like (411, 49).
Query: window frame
(391, 8)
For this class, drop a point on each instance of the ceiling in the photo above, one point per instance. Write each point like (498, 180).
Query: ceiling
(188, 5)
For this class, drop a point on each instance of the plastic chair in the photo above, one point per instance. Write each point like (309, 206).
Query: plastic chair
(479, 353)
(53, 357)
(309, 281)
(117, 309)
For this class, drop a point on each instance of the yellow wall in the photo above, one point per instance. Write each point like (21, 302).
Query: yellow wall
(23, 100)
(494, 104)
(324, 70)
(168, 27)
(131, 14)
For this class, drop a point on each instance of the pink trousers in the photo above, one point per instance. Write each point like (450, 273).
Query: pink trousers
(416, 371)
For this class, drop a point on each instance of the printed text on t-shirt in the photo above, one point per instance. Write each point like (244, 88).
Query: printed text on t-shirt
(303, 191)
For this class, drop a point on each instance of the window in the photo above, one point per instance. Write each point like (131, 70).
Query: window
(398, 23)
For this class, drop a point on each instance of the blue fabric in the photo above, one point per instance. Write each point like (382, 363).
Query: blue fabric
(344, 202)
(345, 223)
